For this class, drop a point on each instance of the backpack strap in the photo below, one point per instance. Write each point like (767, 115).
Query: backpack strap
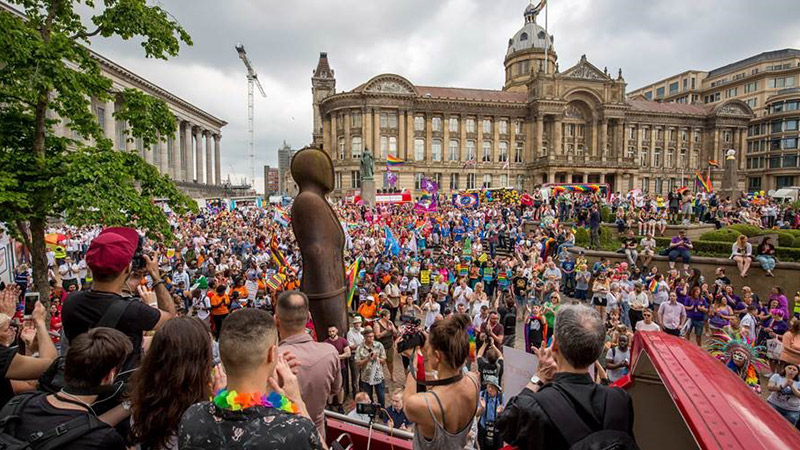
(11, 411)
(113, 314)
(65, 433)
(560, 411)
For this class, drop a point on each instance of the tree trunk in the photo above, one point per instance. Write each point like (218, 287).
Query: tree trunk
(39, 260)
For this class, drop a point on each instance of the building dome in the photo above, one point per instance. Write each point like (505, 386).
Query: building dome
(530, 35)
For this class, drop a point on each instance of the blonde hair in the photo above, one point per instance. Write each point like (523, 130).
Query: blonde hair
(741, 240)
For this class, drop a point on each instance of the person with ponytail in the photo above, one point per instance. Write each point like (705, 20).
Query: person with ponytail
(443, 414)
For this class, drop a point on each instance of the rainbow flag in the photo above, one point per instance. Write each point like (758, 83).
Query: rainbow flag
(393, 161)
(275, 282)
(705, 184)
(653, 286)
(351, 274)
(281, 216)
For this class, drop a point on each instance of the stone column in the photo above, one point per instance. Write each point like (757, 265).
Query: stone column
(462, 145)
(428, 137)
(603, 139)
(177, 141)
(512, 144)
(653, 133)
(446, 138)
(198, 140)
(495, 138)
(409, 135)
(401, 134)
(110, 123)
(557, 148)
(715, 148)
(188, 164)
(162, 149)
(742, 147)
(539, 135)
(326, 134)
(376, 134)
(692, 164)
(348, 152)
(217, 162)
(333, 140)
(367, 134)
(479, 144)
(209, 178)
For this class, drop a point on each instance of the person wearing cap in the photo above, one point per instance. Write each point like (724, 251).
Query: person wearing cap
(492, 400)
(109, 257)
(354, 340)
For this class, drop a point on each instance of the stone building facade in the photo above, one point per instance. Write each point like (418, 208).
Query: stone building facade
(544, 126)
(768, 84)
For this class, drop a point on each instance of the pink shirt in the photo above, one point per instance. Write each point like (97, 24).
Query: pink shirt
(319, 377)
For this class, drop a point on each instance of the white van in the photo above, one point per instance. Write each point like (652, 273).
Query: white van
(786, 195)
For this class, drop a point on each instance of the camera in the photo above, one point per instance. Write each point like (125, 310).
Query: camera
(368, 409)
(138, 262)
(410, 321)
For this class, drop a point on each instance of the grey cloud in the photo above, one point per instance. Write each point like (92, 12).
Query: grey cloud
(451, 43)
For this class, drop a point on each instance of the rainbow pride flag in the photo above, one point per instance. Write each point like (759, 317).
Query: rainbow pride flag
(393, 161)
(351, 274)
(705, 184)
(653, 286)
(472, 333)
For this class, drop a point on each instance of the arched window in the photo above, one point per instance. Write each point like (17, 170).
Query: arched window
(523, 37)
(541, 34)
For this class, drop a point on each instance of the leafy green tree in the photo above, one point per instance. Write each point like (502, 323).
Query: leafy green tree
(47, 72)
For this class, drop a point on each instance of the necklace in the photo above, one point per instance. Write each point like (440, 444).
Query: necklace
(235, 401)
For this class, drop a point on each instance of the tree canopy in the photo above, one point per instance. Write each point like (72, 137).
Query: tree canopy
(49, 77)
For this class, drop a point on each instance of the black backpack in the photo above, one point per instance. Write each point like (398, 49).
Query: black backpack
(41, 440)
(614, 433)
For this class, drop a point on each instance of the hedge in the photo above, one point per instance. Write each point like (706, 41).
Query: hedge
(747, 230)
(785, 239)
(722, 235)
(718, 249)
(796, 243)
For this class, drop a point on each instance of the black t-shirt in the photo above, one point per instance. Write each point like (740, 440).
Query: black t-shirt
(486, 369)
(83, 309)
(40, 415)
(520, 285)
(535, 333)
(630, 242)
(6, 391)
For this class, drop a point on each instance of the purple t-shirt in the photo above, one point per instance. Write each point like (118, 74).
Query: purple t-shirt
(681, 243)
(694, 314)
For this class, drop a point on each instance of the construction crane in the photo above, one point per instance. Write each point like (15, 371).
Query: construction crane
(252, 79)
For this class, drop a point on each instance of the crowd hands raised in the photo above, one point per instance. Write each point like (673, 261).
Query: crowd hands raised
(218, 316)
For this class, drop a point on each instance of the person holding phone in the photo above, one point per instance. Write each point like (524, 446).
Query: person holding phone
(679, 247)
(14, 366)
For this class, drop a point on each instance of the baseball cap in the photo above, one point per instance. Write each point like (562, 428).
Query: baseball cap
(112, 250)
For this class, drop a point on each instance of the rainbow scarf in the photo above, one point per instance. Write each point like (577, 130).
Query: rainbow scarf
(393, 161)
(235, 401)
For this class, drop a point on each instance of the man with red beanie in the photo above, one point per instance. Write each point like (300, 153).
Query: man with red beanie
(109, 257)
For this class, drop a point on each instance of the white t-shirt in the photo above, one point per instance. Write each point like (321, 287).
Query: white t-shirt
(641, 326)
(615, 355)
(781, 399)
(462, 295)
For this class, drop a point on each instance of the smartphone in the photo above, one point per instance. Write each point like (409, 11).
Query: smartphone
(30, 303)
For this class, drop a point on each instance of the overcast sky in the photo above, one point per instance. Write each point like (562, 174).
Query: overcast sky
(457, 43)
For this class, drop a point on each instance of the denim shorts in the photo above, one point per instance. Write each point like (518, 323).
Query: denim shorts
(697, 326)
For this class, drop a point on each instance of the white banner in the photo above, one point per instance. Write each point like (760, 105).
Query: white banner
(518, 368)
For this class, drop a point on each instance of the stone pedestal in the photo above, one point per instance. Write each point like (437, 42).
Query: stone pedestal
(729, 178)
(368, 192)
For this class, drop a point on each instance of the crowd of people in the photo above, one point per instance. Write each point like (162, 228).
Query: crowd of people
(190, 344)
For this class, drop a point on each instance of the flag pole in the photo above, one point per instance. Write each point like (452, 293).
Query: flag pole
(546, 41)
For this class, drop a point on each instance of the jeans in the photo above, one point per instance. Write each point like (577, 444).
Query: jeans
(568, 282)
(625, 316)
(353, 375)
(380, 391)
(683, 254)
(791, 416)
(632, 255)
(767, 262)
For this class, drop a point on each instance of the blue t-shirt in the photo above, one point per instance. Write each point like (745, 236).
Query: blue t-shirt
(568, 266)
(490, 412)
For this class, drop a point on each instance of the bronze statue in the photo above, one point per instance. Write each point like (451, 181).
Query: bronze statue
(321, 240)
(367, 165)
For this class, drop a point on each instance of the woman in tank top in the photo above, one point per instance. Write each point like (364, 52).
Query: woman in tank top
(443, 415)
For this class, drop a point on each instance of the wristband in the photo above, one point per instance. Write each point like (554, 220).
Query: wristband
(158, 282)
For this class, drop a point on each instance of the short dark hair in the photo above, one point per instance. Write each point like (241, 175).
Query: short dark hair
(105, 277)
(293, 314)
(245, 339)
(580, 335)
(93, 355)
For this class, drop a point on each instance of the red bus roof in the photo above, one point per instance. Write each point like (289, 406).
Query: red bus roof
(718, 407)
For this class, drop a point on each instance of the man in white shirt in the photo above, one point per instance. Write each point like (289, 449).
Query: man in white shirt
(69, 274)
(481, 317)
(462, 292)
(749, 323)
(354, 340)
(672, 315)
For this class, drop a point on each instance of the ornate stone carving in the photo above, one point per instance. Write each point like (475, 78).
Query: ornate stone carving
(388, 87)
(732, 109)
(584, 71)
(573, 112)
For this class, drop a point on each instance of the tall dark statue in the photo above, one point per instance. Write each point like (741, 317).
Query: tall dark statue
(321, 240)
